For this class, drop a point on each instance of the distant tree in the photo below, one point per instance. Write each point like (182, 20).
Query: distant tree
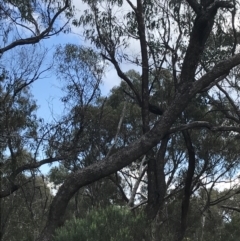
(113, 223)
(24, 213)
(18, 143)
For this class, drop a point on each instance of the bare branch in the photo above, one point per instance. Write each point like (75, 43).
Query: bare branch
(137, 183)
(34, 165)
(118, 129)
(231, 208)
(131, 5)
(203, 124)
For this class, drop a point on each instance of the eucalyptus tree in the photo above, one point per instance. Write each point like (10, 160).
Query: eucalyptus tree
(197, 43)
(19, 123)
(19, 127)
(24, 23)
(25, 137)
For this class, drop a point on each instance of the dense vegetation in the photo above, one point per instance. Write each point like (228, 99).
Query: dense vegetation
(145, 162)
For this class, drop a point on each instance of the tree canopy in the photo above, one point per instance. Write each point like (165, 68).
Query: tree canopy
(155, 150)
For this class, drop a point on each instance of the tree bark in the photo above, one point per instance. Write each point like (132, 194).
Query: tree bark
(135, 150)
(187, 188)
(156, 181)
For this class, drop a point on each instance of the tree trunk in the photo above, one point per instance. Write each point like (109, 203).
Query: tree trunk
(135, 150)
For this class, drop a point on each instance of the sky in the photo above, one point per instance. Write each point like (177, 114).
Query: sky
(47, 91)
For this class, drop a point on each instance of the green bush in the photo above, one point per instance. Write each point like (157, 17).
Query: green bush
(109, 224)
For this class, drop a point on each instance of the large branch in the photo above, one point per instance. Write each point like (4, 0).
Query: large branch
(34, 165)
(202, 28)
(203, 124)
(132, 152)
(231, 208)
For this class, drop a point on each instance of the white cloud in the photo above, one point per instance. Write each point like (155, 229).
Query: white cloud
(111, 78)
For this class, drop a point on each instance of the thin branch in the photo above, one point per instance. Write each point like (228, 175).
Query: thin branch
(231, 208)
(12, 189)
(118, 129)
(120, 188)
(140, 204)
(236, 109)
(36, 39)
(203, 124)
(137, 183)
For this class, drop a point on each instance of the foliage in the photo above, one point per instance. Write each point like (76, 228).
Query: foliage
(112, 223)
(24, 213)
(163, 140)
(29, 21)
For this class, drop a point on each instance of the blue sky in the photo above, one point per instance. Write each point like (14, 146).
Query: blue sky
(47, 91)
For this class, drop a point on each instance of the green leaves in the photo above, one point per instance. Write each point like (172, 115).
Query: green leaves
(113, 224)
